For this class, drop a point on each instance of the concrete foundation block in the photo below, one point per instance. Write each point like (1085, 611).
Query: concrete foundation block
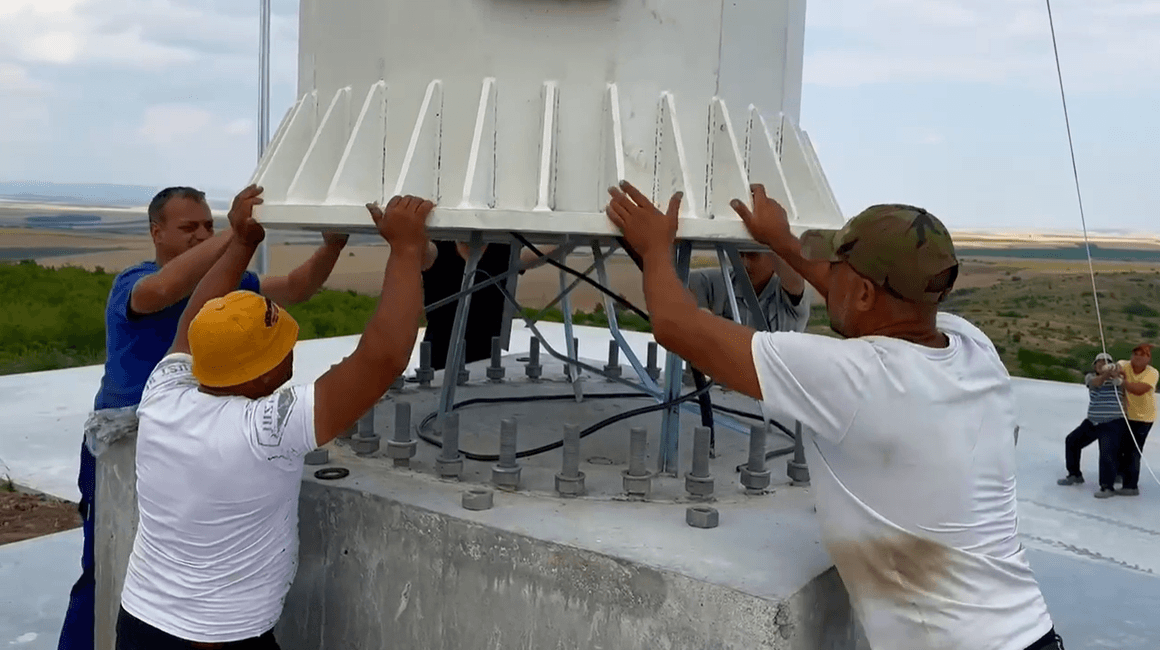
(391, 558)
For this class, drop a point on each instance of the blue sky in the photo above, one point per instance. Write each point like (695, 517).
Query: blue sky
(949, 104)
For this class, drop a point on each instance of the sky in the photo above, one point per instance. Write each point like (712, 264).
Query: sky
(953, 105)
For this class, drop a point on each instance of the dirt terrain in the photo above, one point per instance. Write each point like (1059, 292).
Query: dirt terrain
(25, 516)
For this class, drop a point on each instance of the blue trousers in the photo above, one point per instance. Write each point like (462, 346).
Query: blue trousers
(79, 629)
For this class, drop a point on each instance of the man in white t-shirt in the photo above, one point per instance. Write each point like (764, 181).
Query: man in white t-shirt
(910, 420)
(221, 441)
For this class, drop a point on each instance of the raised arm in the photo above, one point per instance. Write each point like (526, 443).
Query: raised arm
(177, 279)
(716, 346)
(768, 224)
(306, 280)
(226, 274)
(347, 391)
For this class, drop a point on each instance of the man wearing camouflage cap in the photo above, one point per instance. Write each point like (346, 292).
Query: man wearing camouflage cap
(909, 419)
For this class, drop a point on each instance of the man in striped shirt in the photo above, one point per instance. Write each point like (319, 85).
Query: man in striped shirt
(1105, 394)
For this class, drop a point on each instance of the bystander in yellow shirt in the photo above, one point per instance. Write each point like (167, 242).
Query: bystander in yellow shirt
(1141, 408)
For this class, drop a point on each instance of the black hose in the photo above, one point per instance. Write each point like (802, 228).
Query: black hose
(545, 398)
(784, 451)
(571, 271)
(702, 385)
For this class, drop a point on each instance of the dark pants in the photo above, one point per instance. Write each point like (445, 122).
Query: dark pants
(1108, 434)
(79, 626)
(1130, 452)
(1111, 435)
(1050, 641)
(134, 634)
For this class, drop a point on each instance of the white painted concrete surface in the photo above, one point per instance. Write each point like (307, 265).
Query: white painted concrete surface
(1086, 552)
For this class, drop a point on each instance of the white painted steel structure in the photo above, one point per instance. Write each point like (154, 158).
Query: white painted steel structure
(516, 115)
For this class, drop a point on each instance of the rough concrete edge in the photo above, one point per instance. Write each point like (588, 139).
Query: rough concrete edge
(818, 615)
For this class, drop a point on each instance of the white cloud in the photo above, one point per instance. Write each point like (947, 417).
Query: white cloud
(15, 79)
(173, 124)
(1104, 45)
(239, 127)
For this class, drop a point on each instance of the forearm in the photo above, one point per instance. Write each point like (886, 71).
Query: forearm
(390, 334)
(178, 278)
(816, 272)
(713, 345)
(223, 278)
(1137, 387)
(307, 279)
(792, 282)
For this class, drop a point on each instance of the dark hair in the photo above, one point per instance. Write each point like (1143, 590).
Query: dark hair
(157, 205)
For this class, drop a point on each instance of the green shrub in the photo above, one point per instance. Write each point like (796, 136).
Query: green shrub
(1140, 309)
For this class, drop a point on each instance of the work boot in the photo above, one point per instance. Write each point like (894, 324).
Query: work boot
(1070, 479)
(1105, 492)
(1128, 492)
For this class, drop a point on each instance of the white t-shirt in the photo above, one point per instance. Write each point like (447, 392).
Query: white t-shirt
(217, 488)
(912, 461)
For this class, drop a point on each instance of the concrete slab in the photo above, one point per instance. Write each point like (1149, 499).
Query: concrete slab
(1085, 551)
(44, 412)
(1119, 532)
(1098, 606)
(37, 575)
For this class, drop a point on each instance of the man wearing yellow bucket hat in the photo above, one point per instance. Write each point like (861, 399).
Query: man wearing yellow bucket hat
(221, 442)
(909, 418)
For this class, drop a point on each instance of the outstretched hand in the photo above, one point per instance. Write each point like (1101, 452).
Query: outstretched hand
(241, 216)
(404, 223)
(768, 222)
(646, 229)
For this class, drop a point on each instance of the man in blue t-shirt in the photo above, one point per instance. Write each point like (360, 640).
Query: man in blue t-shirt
(141, 316)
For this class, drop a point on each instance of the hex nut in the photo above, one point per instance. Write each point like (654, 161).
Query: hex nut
(401, 450)
(364, 445)
(637, 486)
(570, 486)
(449, 468)
(506, 477)
(701, 517)
(798, 473)
(478, 499)
(318, 457)
(699, 486)
(754, 481)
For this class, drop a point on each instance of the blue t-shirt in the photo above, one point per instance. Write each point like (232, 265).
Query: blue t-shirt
(136, 344)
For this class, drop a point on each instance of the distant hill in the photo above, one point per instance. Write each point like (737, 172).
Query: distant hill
(95, 194)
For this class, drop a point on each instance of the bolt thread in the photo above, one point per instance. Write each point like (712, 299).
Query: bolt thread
(613, 354)
(701, 452)
(799, 450)
(425, 355)
(534, 353)
(652, 354)
(637, 442)
(571, 451)
(366, 424)
(402, 432)
(757, 448)
(450, 436)
(495, 352)
(507, 443)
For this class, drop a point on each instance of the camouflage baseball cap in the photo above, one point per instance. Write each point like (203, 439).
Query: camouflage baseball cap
(905, 249)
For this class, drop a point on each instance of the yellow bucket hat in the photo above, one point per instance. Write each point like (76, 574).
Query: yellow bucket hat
(238, 338)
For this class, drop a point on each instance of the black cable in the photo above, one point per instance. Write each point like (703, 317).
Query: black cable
(753, 416)
(544, 398)
(571, 271)
(769, 455)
